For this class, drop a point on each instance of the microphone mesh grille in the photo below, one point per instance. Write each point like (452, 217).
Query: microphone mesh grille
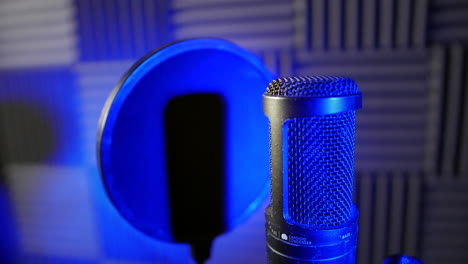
(320, 169)
(316, 86)
(320, 154)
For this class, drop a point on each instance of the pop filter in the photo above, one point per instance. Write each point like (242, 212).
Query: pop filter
(182, 148)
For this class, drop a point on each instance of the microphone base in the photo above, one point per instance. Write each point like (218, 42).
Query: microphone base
(289, 243)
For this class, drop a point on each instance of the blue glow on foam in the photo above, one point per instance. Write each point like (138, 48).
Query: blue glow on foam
(8, 243)
(193, 66)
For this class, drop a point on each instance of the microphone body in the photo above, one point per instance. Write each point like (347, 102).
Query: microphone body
(311, 217)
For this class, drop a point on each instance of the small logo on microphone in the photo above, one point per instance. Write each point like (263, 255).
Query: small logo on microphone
(346, 236)
(284, 236)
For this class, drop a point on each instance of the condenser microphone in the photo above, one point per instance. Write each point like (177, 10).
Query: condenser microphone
(311, 217)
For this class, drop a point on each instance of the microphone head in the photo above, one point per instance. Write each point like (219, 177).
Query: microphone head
(318, 154)
(312, 86)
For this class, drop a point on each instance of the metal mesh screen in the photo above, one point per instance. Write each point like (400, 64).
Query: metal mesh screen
(320, 169)
(312, 86)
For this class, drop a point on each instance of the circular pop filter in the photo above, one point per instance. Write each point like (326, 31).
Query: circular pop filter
(177, 102)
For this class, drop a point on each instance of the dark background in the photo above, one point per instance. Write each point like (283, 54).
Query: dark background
(59, 60)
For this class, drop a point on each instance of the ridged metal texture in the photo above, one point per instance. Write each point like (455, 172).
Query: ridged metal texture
(314, 86)
(320, 154)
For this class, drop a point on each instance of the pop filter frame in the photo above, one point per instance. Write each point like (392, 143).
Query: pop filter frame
(130, 142)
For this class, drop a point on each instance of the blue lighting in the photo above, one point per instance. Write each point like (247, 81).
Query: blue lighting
(402, 259)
